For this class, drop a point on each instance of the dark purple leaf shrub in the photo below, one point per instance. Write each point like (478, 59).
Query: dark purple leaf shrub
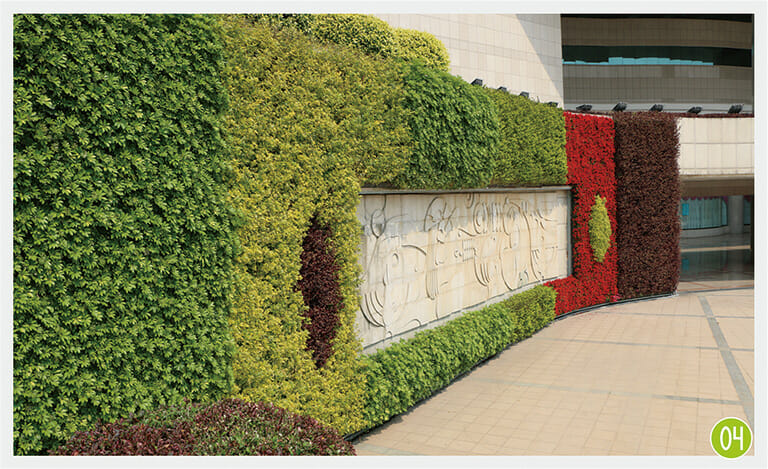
(229, 427)
(647, 199)
(319, 285)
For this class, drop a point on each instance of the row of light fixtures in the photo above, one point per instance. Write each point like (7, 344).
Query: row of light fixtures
(524, 94)
(619, 107)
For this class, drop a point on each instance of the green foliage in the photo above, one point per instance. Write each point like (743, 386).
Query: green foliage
(123, 237)
(455, 131)
(408, 371)
(418, 45)
(599, 229)
(532, 145)
(307, 123)
(365, 33)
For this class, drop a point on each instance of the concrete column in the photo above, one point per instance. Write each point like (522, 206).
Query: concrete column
(736, 214)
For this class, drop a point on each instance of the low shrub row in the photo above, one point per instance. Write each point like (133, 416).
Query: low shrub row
(408, 371)
(230, 427)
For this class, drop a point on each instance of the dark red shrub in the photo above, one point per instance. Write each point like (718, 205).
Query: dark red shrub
(228, 427)
(647, 198)
(319, 285)
(589, 149)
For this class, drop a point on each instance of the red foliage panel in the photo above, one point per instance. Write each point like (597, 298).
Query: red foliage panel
(589, 148)
(647, 197)
(319, 286)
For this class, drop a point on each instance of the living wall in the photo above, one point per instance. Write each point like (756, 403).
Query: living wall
(590, 151)
(647, 198)
(455, 131)
(123, 240)
(532, 142)
(307, 123)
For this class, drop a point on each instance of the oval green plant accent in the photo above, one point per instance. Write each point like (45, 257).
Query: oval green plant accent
(599, 229)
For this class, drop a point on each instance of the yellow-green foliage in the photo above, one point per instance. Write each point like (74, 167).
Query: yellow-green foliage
(363, 32)
(599, 229)
(307, 123)
(418, 45)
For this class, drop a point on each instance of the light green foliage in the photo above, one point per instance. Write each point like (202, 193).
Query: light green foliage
(408, 371)
(307, 123)
(599, 229)
(532, 145)
(123, 238)
(365, 33)
(455, 130)
(418, 45)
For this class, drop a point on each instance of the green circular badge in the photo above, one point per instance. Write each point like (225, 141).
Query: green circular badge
(731, 437)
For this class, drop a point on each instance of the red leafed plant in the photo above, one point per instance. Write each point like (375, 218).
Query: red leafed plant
(319, 285)
(590, 151)
(228, 427)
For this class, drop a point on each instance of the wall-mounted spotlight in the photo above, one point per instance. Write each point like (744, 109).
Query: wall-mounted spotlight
(694, 110)
(735, 109)
(657, 108)
(619, 107)
(525, 94)
(584, 108)
(477, 81)
(502, 88)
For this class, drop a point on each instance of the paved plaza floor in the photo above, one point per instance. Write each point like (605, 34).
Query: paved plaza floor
(645, 378)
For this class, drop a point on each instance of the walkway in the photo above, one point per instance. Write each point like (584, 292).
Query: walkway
(644, 378)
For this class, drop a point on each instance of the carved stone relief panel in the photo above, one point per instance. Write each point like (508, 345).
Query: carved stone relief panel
(426, 256)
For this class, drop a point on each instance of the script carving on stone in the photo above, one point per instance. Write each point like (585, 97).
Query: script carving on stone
(426, 256)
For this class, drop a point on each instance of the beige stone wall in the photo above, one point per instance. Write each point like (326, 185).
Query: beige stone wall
(717, 147)
(519, 52)
(428, 257)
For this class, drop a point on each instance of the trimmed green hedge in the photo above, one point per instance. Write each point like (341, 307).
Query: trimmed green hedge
(455, 131)
(123, 237)
(408, 371)
(307, 123)
(532, 146)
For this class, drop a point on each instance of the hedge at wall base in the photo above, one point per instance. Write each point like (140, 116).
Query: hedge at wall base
(406, 372)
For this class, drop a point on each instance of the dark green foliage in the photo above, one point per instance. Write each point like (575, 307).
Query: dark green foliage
(123, 240)
(455, 131)
(532, 144)
(231, 427)
(408, 371)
